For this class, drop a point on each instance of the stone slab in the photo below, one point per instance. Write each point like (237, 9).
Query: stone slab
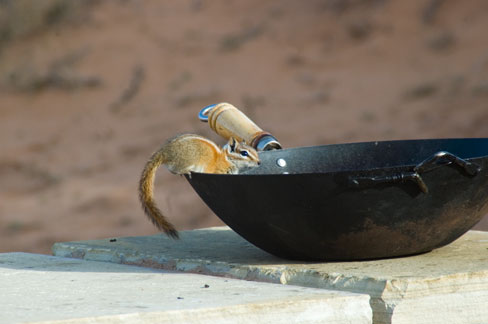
(39, 288)
(447, 285)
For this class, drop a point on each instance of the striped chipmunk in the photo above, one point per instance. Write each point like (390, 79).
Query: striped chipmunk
(188, 153)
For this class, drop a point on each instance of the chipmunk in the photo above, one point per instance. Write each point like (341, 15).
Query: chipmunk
(191, 153)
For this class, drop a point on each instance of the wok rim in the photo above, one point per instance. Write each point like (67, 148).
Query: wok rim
(375, 169)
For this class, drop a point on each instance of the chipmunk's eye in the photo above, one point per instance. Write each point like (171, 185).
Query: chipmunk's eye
(244, 153)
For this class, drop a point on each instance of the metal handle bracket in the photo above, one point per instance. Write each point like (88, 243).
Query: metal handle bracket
(400, 177)
(438, 159)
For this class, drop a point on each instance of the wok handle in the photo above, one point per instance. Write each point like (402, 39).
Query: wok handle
(228, 121)
(444, 158)
(433, 162)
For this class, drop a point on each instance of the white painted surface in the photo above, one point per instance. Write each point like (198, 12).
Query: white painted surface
(447, 285)
(36, 288)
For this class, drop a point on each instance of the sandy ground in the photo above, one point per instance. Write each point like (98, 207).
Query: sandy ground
(84, 101)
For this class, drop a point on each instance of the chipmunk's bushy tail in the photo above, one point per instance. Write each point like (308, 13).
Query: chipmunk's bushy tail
(146, 195)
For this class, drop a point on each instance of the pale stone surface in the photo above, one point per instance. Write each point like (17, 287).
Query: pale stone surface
(447, 285)
(40, 288)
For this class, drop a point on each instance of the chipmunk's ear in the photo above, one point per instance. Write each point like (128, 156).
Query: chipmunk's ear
(232, 144)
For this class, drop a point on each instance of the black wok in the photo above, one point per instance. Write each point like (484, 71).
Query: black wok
(355, 201)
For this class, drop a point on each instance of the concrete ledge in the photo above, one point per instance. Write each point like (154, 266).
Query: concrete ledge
(447, 285)
(40, 288)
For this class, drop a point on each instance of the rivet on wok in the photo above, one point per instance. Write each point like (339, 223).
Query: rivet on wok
(281, 162)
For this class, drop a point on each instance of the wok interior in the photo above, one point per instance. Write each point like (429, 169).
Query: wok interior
(365, 156)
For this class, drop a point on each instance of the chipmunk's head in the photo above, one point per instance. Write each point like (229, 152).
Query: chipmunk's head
(241, 154)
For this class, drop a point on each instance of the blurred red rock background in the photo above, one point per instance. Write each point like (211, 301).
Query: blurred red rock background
(89, 89)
